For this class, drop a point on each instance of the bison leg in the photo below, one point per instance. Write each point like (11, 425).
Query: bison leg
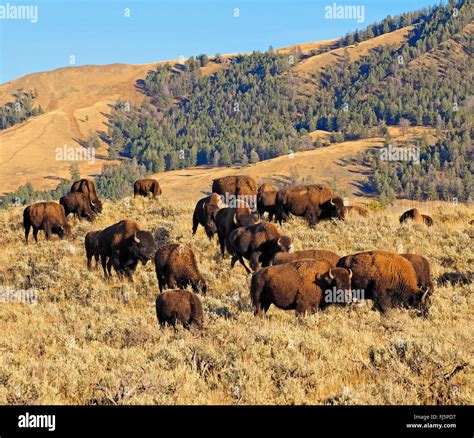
(27, 231)
(254, 260)
(103, 260)
(382, 300)
(242, 262)
(222, 244)
(195, 223)
(47, 230)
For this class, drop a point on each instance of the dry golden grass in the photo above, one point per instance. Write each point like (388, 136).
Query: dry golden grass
(92, 342)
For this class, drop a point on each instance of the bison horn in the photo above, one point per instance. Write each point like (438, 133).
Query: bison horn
(135, 238)
(331, 201)
(330, 275)
(423, 297)
(350, 273)
(234, 219)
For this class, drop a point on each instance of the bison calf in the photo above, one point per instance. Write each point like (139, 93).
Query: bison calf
(176, 266)
(304, 286)
(205, 214)
(91, 244)
(181, 306)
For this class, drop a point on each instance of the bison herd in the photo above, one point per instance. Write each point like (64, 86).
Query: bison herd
(304, 281)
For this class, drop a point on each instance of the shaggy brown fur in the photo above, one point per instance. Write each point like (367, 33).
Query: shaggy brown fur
(124, 244)
(79, 204)
(91, 244)
(181, 306)
(230, 218)
(266, 187)
(266, 203)
(47, 216)
(257, 243)
(314, 254)
(144, 186)
(176, 266)
(413, 215)
(235, 185)
(205, 214)
(387, 278)
(303, 286)
(423, 273)
(362, 211)
(314, 202)
(87, 187)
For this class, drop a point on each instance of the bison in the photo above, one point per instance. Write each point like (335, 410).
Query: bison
(91, 244)
(124, 244)
(144, 186)
(87, 187)
(176, 266)
(237, 185)
(257, 243)
(304, 286)
(181, 306)
(387, 278)
(47, 216)
(266, 203)
(313, 202)
(361, 211)
(230, 218)
(416, 216)
(79, 204)
(314, 254)
(205, 214)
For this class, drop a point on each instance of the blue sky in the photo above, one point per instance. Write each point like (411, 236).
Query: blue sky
(98, 32)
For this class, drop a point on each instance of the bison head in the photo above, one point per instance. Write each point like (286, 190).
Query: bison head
(97, 206)
(421, 300)
(62, 231)
(143, 246)
(246, 219)
(333, 209)
(339, 279)
(210, 211)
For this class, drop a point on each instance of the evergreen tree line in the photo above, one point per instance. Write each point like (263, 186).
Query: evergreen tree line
(20, 110)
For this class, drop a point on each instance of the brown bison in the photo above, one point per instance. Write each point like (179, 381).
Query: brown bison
(87, 187)
(423, 273)
(304, 286)
(416, 216)
(124, 244)
(144, 186)
(313, 202)
(235, 185)
(228, 219)
(91, 244)
(314, 254)
(266, 187)
(79, 204)
(181, 306)
(205, 214)
(361, 211)
(176, 266)
(47, 216)
(387, 278)
(257, 243)
(266, 203)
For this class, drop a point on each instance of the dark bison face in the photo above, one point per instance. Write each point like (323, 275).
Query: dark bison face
(285, 244)
(97, 206)
(143, 246)
(333, 209)
(61, 231)
(210, 211)
(340, 279)
(421, 301)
